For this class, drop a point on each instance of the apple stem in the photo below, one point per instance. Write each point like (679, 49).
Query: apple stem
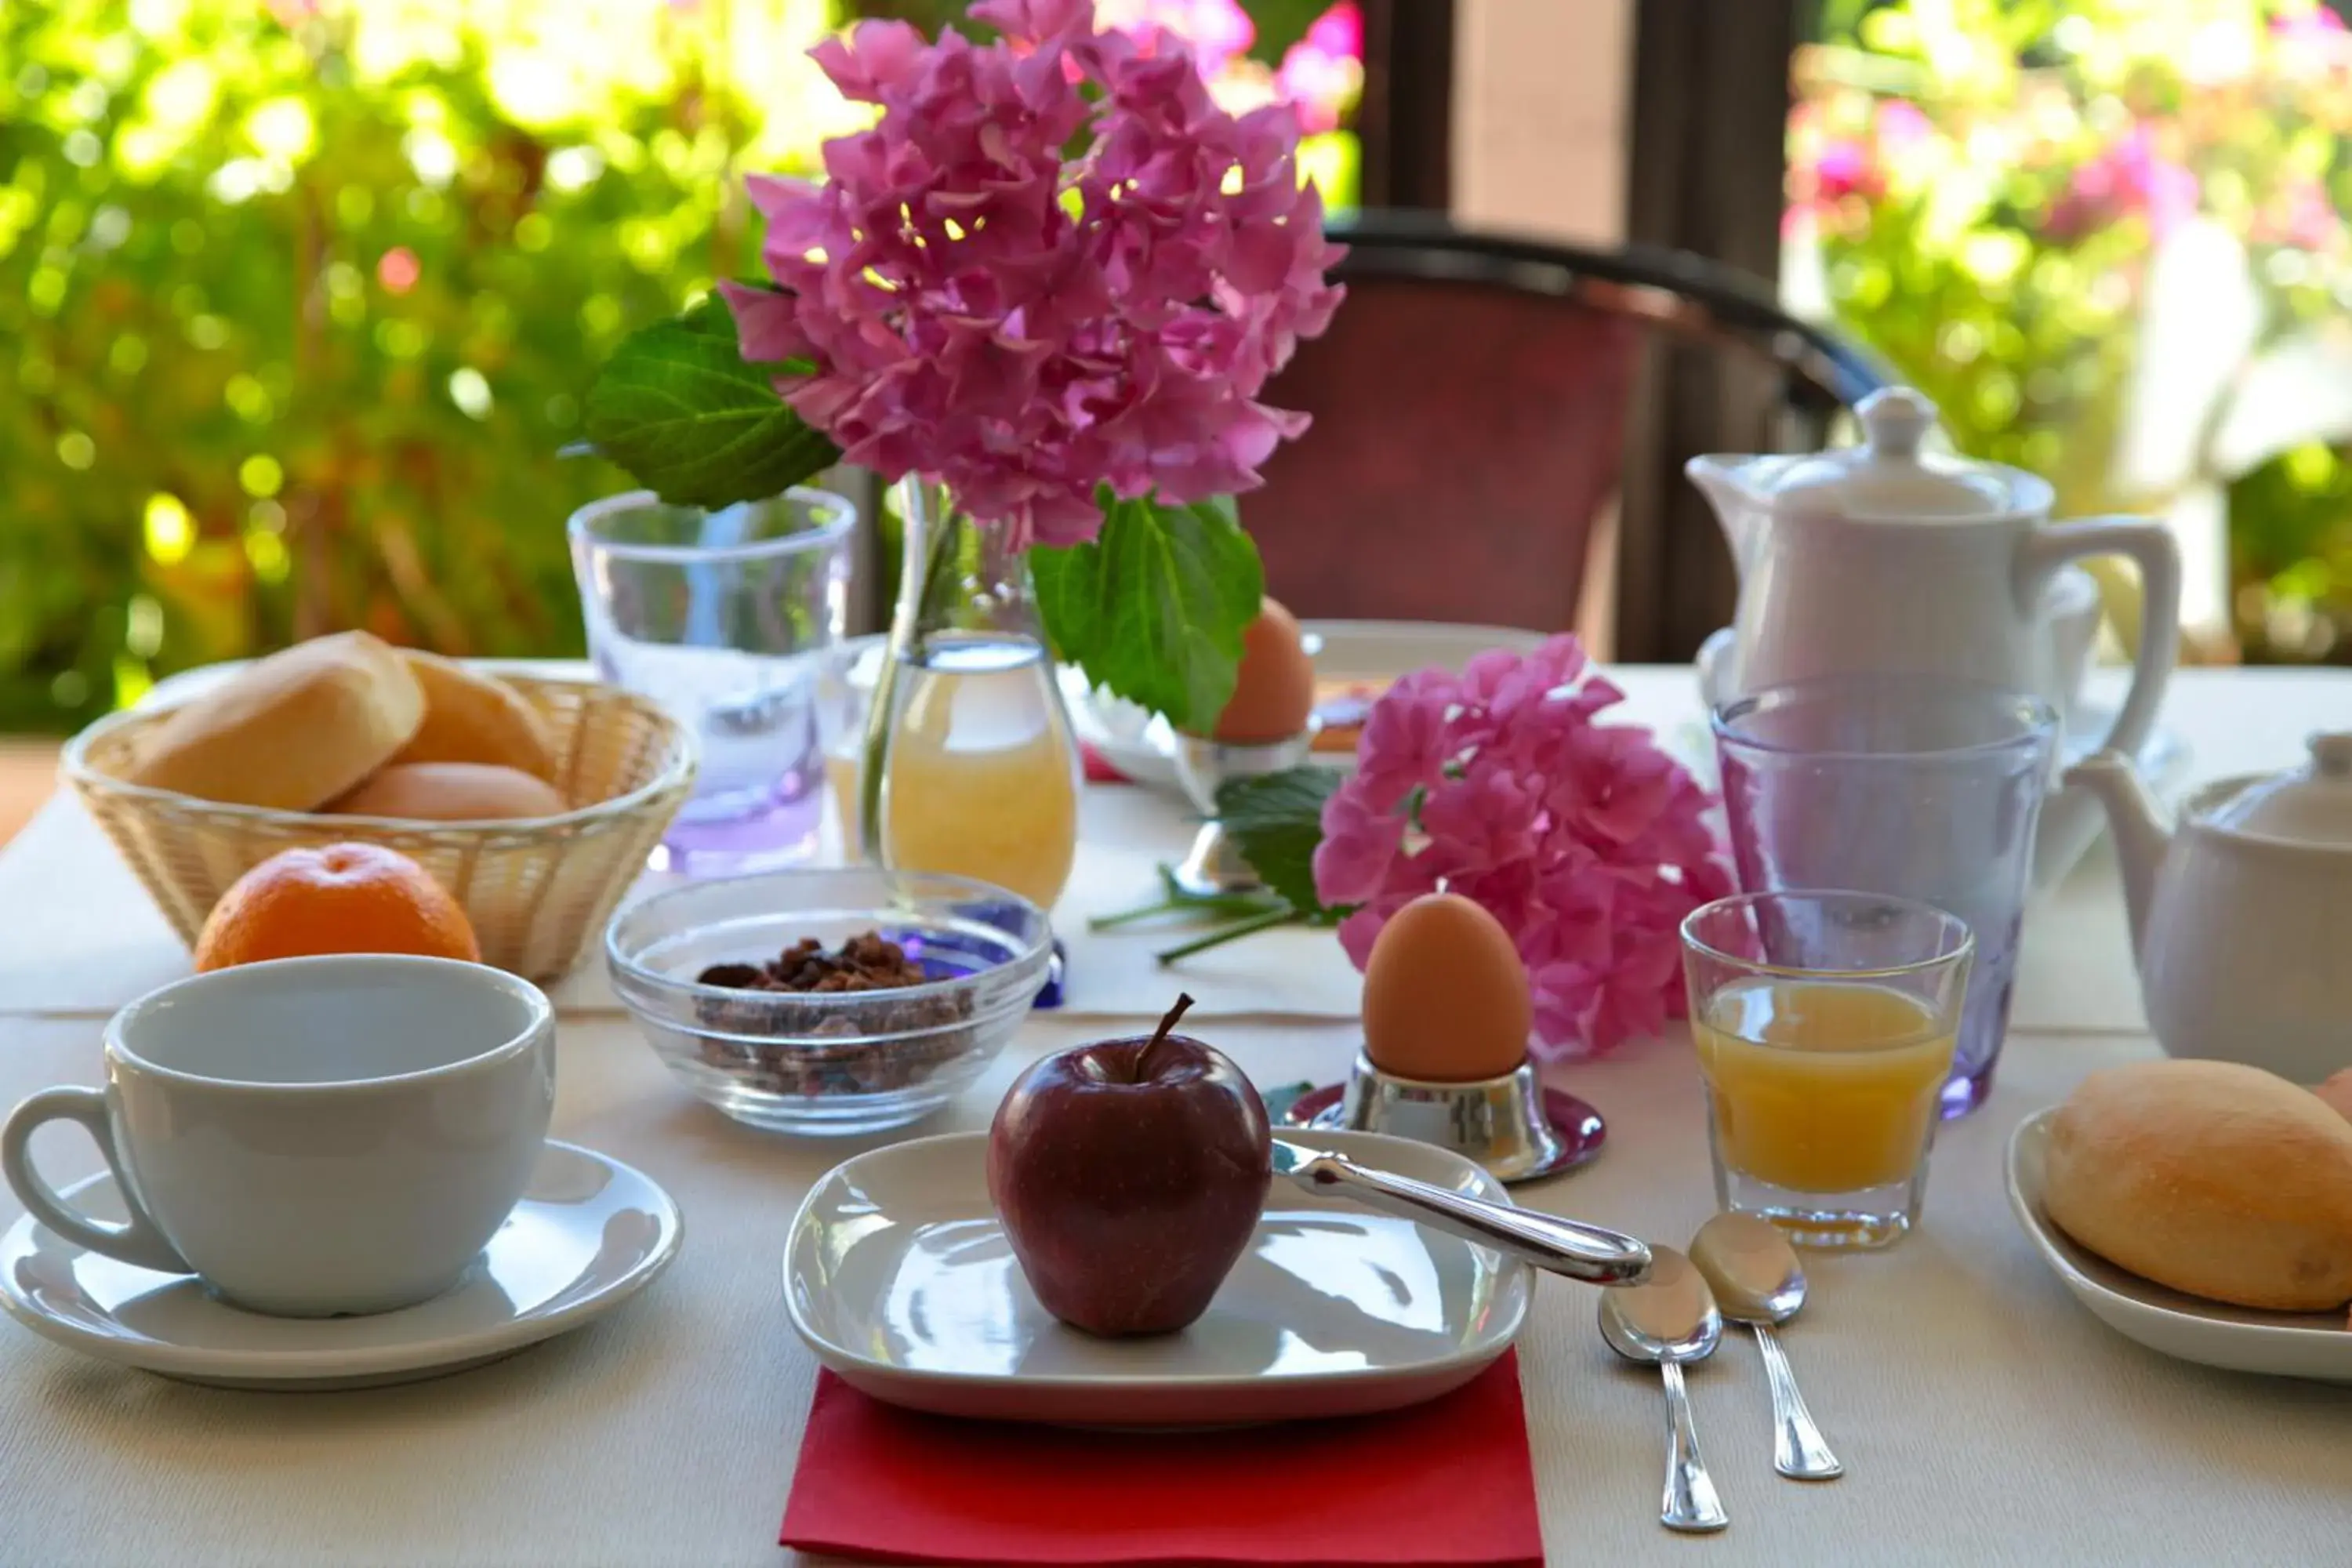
(1183, 1001)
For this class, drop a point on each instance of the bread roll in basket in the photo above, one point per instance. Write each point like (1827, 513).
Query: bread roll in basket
(538, 890)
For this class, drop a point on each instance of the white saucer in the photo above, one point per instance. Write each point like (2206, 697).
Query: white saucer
(2238, 1339)
(899, 1276)
(589, 1234)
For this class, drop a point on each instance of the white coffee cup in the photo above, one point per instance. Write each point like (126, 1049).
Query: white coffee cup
(311, 1136)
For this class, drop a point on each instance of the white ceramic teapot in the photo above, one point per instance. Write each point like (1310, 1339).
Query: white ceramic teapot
(2241, 916)
(1882, 557)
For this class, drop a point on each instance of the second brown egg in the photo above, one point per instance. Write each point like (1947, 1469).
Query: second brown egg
(1445, 994)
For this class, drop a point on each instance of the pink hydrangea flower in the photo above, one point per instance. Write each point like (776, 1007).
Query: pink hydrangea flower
(1025, 324)
(1586, 840)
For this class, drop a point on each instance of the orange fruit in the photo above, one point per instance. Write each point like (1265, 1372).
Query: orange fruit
(343, 898)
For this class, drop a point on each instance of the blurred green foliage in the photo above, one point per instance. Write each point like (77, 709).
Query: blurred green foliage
(296, 306)
(1985, 183)
(299, 298)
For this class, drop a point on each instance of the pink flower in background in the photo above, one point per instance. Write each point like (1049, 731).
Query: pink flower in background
(2318, 27)
(398, 269)
(2128, 178)
(1846, 168)
(1588, 842)
(1216, 30)
(1322, 75)
(1027, 326)
(2302, 215)
(1900, 125)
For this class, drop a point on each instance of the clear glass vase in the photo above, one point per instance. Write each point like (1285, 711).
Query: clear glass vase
(970, 766)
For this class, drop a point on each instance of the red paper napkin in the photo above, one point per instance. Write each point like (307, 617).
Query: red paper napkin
(1446, 1483)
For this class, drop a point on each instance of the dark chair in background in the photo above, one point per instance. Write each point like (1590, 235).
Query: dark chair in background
(1470, 404)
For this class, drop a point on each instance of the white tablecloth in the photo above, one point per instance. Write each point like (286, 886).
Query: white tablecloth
(98, 942)
(1985, 1417)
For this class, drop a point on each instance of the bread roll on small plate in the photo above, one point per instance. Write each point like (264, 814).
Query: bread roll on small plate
(2215, 1178)
(2168, 1168)
(291, 731)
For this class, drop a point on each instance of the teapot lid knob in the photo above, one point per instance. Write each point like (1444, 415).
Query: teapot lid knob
(2331, 755)
(1889, 479)
(1896, 420)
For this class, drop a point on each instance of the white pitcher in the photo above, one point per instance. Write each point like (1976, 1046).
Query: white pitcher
(1884, 558)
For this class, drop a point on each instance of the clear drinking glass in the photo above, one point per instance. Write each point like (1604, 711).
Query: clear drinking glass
(1918, 786)
(1824, 1024)
(726, 618)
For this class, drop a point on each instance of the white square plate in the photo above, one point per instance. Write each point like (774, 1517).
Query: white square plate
(2238, 1339)
(899, 1278)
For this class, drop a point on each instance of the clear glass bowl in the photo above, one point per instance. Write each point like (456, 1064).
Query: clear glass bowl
(830, 1063)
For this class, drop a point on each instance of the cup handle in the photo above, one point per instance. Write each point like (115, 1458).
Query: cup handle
(137, 1240)
(2150, 546)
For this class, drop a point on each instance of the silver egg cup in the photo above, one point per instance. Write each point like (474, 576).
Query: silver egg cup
(1214, 867)
(1514, 1126)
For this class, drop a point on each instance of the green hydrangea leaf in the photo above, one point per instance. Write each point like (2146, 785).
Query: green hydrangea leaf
(1276, 820)
(1154, 607)
(679, 407)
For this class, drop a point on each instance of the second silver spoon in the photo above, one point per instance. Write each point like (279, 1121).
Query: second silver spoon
(1757, 1280)
(1667, 1319)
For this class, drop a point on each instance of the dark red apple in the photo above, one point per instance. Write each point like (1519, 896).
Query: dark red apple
(1129, 1175)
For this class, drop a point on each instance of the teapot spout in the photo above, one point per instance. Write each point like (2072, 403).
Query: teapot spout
(2143, 835)
(1740, 507)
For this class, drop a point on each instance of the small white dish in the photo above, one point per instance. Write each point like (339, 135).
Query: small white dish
(2238, 1339)
(1141, 746)
(589, 1234)
(898, 1275)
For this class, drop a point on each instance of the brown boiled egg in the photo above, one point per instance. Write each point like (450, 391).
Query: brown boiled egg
(1273, 690)
(1445, 996)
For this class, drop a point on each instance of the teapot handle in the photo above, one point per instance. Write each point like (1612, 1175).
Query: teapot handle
(2151, 546)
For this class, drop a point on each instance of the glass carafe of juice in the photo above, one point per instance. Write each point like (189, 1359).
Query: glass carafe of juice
(970, 766)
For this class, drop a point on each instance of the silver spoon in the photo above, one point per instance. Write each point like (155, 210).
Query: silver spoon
(1756, 1276)
(1670, 1318)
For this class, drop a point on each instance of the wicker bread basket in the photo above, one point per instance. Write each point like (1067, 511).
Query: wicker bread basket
(538, 891)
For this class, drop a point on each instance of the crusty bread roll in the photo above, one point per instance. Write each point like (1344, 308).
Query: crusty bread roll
(292, 730)
(474, 718)
(2214, 1178)
(2337, 1092)
(450, 791)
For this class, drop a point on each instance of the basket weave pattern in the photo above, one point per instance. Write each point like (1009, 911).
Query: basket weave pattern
(537, 893)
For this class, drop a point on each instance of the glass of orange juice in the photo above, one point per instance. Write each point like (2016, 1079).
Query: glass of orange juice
(1824, 1024)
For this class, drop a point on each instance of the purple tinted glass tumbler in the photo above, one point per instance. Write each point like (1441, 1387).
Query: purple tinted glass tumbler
(727, 619)
(1917, 786)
